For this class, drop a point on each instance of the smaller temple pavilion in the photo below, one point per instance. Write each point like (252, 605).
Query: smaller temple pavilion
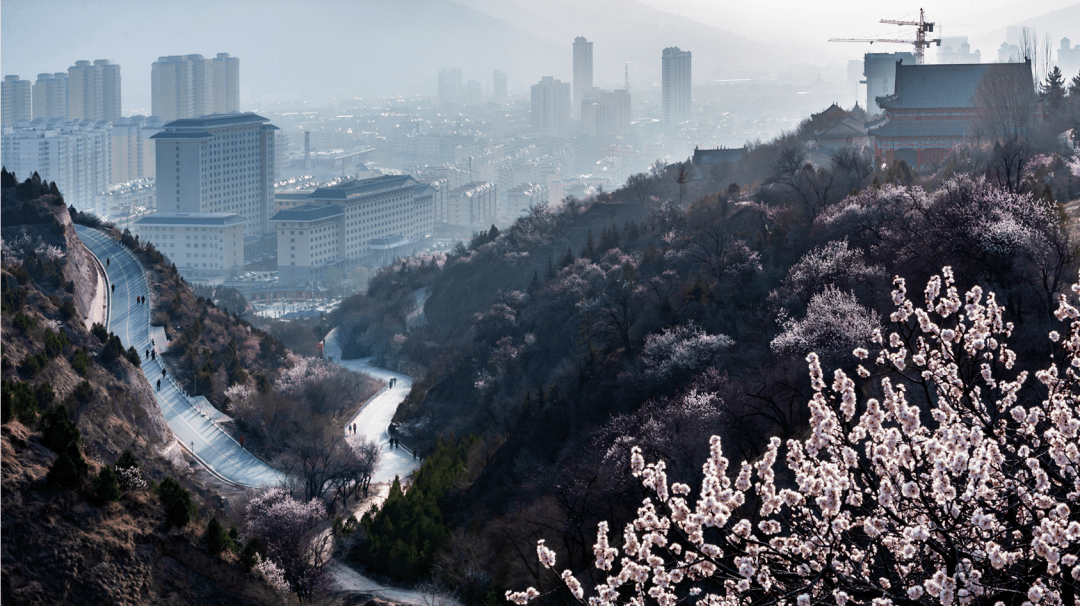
(934, 108)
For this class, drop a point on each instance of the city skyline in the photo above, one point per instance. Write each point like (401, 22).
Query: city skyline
(403, 67)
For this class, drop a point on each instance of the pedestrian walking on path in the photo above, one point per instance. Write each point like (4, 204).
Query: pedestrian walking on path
(106, 261)
(159, 384)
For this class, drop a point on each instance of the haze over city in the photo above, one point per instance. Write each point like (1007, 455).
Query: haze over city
(323, 51)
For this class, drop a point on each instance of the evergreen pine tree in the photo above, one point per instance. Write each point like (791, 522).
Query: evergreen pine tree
(217, 538)
(69, 469)
(58, 430)
(589, 250)
(249, 556)
(1053, 90)
(106, 486)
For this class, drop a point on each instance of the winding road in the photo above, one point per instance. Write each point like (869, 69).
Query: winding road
(218, 452)
(373, 420)
(211, 446)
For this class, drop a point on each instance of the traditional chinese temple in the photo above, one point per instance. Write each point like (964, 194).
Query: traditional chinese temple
(933, 108)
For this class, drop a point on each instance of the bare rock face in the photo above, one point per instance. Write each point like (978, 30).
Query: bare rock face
(81, 268)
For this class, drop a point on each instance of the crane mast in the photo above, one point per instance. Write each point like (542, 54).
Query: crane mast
(921, 42)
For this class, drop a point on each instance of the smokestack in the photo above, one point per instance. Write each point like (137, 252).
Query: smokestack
(307, 150)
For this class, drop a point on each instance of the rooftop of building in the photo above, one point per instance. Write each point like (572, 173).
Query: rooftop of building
(720, 154)
(846, 127)
(308, 212)
(363, 187)
(218, 120)
(922, 128)
(951, 85)
(193, 219)
(388, 242)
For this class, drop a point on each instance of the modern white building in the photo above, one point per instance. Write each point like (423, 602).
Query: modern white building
(123, 203)
(225, 76)
(15, 102)
(94, 91)
(473, 205)
(358, 221)
(676, 85)
(523, 197)
(133, 151)
(605, 113)
(221, 163)
(583, 76)
(202, 245)
(51, 96)
(551, 107)
(74, 154)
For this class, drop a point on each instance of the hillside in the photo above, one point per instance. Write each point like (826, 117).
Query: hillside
(74, 403)
(677, 308)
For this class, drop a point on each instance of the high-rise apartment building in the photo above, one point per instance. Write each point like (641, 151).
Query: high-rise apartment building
(499, 94)
(582, 72)
(188, 86)
(134, 155)
(605, 113)
(51, 96)
(450, 89)
(170, 88)
(75, 154)
(14, 100)
(226, 83)
(94, 91)
(222, 163)
(551, 106)
(676, 85)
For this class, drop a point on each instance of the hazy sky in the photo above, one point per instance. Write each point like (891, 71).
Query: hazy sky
(330, 49)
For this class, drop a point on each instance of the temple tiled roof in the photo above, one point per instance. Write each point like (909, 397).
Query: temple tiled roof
(949, 85)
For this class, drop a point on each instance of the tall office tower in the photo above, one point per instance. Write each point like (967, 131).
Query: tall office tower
(500, 86)
(582, 72)
(94, 91)
(133, 152)
(50, 96)
(74, 154)
(551, 106)
(226, 83)
(450, 87)
(222, 163)
(676, 85)
(15, 95)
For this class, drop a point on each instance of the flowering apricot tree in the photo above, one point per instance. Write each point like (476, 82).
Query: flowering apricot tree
(970, 498)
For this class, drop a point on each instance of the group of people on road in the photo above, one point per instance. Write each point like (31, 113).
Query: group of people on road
(393, 382)
(352, 428)
(140, 300)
